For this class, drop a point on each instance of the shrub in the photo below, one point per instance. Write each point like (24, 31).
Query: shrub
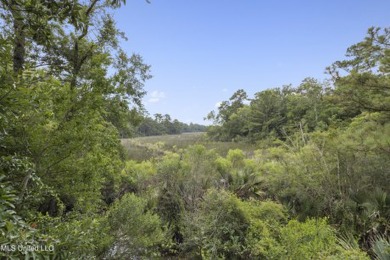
(137, 231)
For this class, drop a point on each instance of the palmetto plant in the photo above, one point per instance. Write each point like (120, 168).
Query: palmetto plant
(381, 247)
(246, 184)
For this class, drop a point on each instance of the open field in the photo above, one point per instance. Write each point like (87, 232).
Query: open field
(144, 148)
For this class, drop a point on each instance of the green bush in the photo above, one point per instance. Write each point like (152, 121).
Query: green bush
(314, 239)
(136, 230)
(78, 235)
(222, 226)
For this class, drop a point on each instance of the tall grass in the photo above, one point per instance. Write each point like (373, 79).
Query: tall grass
(145, 148)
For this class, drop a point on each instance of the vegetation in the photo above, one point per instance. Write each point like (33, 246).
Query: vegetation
(325, 145)
(145, 148)
(314, 185)
(313, 106)
(164, 125)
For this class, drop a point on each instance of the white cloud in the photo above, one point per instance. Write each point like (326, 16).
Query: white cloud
(224, 90)
(156, 96)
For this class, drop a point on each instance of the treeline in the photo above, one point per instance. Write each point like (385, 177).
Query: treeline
(357, 86)
(277, 113)
(164, 125)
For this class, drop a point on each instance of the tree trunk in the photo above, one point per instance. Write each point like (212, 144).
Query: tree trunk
(19, 51)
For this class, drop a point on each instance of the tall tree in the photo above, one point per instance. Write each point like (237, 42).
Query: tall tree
(62, 104)
(366, 86)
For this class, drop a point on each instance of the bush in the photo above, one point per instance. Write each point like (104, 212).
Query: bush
(78, 236)
(137, 231)
(314, 239)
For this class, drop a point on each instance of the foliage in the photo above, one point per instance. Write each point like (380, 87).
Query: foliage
(77, 235)
(276, 113)
(360, 84)
(68, 92)
(325, 145)
(381, 247)
(313, 239)
(137, 231)
(164, 125)
(223, 226)
(17, 236)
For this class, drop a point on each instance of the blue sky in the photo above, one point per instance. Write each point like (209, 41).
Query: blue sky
(202, 51)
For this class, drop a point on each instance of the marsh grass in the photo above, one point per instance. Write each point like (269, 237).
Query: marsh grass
(145, 148)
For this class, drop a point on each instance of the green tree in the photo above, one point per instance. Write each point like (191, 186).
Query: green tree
(60, 109)
(268, 114)
(366, 85)
(64, 115)
(228, 119)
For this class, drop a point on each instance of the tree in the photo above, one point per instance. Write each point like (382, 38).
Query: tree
(268, 114)
(61, 109)
(227, 108)
(227, 120)
(366, 86)
(63, 115)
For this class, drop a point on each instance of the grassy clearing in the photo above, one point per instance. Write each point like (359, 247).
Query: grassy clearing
(145, 148)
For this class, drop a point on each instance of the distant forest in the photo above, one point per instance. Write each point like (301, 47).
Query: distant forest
(164, 125)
